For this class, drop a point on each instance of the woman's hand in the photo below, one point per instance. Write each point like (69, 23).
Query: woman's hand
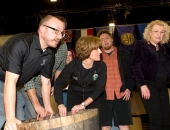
(62, 110)
(76, 108)
(145, 92)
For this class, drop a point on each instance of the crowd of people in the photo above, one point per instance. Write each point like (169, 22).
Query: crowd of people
(96, 74)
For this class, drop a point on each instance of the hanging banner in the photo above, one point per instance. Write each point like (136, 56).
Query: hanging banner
(68, 38)
(127, 36)
(141, 28)
(83, 32)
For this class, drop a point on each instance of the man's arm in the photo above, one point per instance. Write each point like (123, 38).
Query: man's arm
(57, 73)
(46, 88)
(62, 55)
(36, 104)
(10, 99)
(31, 88)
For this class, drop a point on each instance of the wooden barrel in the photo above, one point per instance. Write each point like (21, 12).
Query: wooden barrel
(82, 120)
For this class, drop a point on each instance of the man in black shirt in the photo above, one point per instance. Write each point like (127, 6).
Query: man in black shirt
(24, 56)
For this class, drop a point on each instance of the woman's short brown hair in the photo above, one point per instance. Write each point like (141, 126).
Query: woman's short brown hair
(148, 29)
(85, 45)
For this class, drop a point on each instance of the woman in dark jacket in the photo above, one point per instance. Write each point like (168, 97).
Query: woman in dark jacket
(151, 67)
(87, 75)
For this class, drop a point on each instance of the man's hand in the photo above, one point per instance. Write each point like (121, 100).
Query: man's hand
(145, 92)
(126, 94)
(41, 112)
(50, 112)
(62, 110)
(11, 124)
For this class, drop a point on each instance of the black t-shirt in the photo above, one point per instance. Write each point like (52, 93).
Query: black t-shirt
(161, 72)
(84, 83)
(22, 55)
(86, 75)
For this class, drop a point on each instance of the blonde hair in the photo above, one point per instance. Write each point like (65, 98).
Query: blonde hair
(149, 27)
(85, 45)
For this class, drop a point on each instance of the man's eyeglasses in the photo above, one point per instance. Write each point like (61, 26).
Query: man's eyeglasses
(57, 31)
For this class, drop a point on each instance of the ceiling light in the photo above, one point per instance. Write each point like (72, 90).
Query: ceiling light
(53, 0)
(111, 24)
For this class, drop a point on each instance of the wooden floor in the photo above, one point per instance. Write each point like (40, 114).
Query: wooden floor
(140, 122)
(145, 126)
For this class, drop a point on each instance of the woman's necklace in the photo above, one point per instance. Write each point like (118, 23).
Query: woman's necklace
(87, 66)
(156, 46)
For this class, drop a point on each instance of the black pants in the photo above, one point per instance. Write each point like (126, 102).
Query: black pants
(158, 107)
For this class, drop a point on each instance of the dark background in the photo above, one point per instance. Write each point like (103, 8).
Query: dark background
(23, 15)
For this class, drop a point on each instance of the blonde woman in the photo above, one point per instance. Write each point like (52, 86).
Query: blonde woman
(151, 68)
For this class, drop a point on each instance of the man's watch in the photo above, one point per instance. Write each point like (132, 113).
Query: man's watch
(83, 104)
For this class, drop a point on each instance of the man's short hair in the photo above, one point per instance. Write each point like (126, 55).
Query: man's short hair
(102, 31)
